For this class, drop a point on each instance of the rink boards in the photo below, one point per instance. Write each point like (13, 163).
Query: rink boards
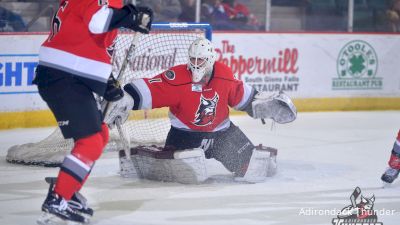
(321, 72)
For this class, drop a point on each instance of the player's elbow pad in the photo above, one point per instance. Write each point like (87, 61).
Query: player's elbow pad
(107, 19)
(100, 21)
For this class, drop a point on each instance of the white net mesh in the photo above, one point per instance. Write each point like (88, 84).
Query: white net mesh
(165, 47)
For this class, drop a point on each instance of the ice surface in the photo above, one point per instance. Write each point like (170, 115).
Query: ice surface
(322, 157)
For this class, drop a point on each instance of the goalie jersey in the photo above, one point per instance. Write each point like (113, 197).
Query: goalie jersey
(73, 48)
(193, 107)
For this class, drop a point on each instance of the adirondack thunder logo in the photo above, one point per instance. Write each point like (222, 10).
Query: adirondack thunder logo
(277, 73)
(206, 111)
(357, 66)
(361, 213)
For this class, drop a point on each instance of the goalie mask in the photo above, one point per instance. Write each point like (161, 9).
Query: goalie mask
(201, 59)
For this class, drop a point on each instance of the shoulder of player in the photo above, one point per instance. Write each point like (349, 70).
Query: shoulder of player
(222, 71)
(177, 75)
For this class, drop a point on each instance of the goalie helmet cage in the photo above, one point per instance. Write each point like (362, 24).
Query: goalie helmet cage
(164, 47)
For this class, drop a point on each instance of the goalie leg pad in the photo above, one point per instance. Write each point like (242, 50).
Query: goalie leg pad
(233, 149)
(262, 165)
(183, 166)
(279, 108)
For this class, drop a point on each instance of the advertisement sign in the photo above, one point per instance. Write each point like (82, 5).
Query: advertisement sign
(314, 65)
(302, 65)
(18, 61)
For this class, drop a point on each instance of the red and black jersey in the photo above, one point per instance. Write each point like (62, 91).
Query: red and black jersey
(73, 47)
(192, 107)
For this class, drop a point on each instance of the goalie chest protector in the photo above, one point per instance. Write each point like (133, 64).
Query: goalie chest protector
(205, 108)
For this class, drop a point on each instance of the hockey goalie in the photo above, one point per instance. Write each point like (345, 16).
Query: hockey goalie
(199, 95)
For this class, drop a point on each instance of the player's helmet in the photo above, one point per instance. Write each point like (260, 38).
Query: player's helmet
(201, 59)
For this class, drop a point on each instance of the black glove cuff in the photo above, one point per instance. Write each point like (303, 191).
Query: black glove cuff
(113, 91)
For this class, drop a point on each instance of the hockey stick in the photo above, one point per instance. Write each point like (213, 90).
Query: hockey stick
(122, 133)
(128, 57)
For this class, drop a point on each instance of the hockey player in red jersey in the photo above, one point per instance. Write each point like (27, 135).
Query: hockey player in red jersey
(74, 63)
(393, 171)
(199, 95)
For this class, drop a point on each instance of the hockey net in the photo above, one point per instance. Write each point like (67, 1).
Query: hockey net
(166, 46)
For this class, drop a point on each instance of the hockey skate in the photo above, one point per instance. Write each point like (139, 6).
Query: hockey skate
(390, 175)
(56, 211)
(77, 202)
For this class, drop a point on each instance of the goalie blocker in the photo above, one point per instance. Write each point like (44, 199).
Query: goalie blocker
(230, 147)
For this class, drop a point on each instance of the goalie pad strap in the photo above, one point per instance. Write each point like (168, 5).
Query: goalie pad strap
(154, 152)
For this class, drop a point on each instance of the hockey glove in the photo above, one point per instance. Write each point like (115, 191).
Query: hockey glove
(140, 18)
(119, 110)
(113, 91)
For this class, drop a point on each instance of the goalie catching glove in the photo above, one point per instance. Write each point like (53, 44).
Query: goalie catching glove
(279, 108)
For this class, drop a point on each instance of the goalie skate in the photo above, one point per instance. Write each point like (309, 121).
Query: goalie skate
(262, 165)
(155, 163)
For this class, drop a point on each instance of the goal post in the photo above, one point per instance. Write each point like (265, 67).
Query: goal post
(166, 46)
